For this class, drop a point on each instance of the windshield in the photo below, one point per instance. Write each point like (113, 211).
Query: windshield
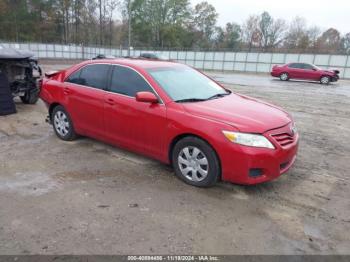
(184, 84)
(316, 67)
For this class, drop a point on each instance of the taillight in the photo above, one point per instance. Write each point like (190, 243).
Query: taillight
(40, 83)
(51, 74)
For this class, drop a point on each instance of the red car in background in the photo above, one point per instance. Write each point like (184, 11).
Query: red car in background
(304, 71)
(175, 114)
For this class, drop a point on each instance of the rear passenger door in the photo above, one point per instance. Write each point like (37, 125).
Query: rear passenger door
(135, 125)
(84, 93)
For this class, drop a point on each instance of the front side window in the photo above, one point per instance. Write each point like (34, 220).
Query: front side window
(184, 83)
(127, 82)
(308, 67)
(296, 65)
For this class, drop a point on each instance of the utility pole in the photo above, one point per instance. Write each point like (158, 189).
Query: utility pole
(129, 26)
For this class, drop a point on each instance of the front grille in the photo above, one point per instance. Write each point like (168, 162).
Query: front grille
(283, 139)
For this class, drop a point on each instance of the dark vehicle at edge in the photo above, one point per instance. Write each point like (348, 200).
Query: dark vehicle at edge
(23, 73)
(154, 56)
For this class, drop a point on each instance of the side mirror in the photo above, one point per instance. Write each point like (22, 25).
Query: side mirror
(146, 97)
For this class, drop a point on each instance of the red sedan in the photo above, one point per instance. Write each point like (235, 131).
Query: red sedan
(305, 71)
(175, 114)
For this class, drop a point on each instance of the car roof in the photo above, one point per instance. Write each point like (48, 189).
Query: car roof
(138, 63)
(303, 63)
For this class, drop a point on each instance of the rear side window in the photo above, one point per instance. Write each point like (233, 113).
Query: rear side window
(74, 78)
(95, 76)
(127, 82)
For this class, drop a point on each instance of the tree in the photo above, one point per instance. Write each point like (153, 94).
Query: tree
(271, 31)
(159, 23)
(204, 19)
(219, 37)
(346, 43)
(156, 23)
(265, 24)
(232, 37)
(313, 34)
(111, 6)
(277, 33)
(297, 36)
(329, 41)
(251, 35)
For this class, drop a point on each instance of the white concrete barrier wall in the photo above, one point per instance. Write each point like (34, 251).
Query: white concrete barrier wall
(220, 61)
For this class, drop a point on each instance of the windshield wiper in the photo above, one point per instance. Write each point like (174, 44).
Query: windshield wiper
(218, 96)
(188, 100)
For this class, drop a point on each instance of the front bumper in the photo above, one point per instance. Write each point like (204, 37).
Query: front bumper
(248, 165)
(335, 78)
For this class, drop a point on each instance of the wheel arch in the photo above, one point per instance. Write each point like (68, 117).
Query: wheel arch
(284, 72)
(52, 107)
(325, 75)
(184, 135)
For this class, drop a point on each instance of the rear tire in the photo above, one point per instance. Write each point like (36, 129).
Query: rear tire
(284, 77)
(195, 162)
(325, 80)
(30, 97)
(62, 124)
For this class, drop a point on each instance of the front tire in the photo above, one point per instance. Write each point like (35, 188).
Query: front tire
(62, 124)
(325, 80)
(284, 77)
(195, 162)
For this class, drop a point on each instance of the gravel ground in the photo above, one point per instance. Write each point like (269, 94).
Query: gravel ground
(86, 197)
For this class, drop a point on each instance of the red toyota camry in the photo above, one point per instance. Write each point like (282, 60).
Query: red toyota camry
(175, 114)
(304, 71)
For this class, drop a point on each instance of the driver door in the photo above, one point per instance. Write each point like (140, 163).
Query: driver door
(296, 71)
(132, 124)
(310, 72)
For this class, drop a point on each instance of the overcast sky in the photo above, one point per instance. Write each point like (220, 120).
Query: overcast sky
(323, 13)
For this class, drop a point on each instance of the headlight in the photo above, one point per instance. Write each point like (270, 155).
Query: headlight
(293, 128)
(248, 139)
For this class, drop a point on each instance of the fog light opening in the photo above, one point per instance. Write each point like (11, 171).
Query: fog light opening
(255, 172)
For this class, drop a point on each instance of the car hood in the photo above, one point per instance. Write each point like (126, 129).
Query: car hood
(242, 112)
(332, 71)
(14, 54)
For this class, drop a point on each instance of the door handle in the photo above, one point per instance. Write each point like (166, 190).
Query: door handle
(66, 91)
(110, 101)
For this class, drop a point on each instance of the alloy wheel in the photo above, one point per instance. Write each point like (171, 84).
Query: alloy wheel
(193, 164)
(61, 123)
(325, 80)
(284, 77)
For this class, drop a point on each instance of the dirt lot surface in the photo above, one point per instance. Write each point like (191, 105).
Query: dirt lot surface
(86, 197)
